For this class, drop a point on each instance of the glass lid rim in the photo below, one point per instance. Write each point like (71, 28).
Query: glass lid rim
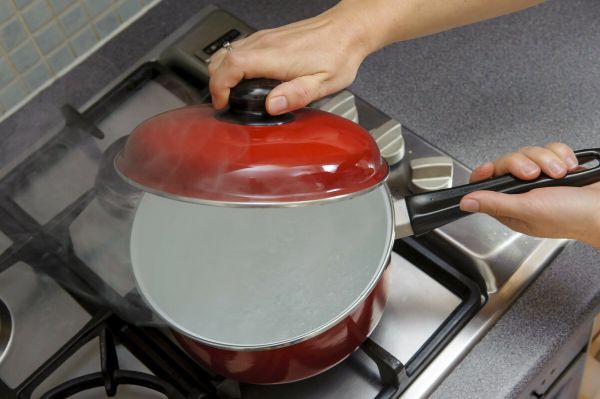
(252, 204)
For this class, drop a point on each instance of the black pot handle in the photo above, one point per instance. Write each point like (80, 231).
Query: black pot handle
(431, 210)
(247, 104)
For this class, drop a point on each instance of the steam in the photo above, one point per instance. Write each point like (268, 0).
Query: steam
(73, 174)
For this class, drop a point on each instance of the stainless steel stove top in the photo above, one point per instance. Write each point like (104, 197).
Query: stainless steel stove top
(42, 316)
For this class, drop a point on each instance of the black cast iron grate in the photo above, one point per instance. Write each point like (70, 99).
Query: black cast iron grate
(47, 249)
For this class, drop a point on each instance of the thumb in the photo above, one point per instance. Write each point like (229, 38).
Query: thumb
(495, 204)
(295, 94)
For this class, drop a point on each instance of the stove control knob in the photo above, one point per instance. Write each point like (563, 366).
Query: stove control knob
(390, 141)
(342, 104)
(431, 173)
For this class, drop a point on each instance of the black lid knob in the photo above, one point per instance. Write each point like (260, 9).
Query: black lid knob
(250, 94)
(247, 104)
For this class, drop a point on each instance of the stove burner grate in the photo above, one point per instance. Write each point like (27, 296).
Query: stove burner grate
(111, 376)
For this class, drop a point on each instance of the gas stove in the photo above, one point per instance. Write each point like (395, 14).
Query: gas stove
(72, 322)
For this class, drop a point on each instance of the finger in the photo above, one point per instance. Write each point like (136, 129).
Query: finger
(482, 172)
(296, 93)
(495, 204)
(518, 165)
(215, 60)
(565, 153)
(239, 64)
(221, 82)
(550, 163)
(233, 67)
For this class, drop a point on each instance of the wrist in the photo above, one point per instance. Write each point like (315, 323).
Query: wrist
(354, 25)
(595, 233)
(591, 235)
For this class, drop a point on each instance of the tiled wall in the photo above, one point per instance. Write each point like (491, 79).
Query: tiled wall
(40, 38)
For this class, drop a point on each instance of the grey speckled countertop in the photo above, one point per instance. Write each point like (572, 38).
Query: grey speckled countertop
(476, 92)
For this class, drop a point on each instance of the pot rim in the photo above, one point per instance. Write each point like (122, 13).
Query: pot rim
(308, 335)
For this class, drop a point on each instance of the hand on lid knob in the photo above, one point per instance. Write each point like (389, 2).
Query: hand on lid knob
(314, 58)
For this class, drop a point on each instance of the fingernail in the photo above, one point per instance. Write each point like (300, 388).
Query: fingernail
(469, 205)
(572, 162)
(278, 104)
(529, 168)
(556, 167)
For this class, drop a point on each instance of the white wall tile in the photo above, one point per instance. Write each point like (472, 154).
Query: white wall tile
(37, 75)
(128, 8)
(12, 94)
(84, 40)
(36, 15)
(59, 5)
(6, 10)
(107, 23)
(6, 72)
(21, 3)
(12, 33)
(49, 37)
(73, 19)
(97, 7)
(40, 38)
(61, 58)
(24, 56)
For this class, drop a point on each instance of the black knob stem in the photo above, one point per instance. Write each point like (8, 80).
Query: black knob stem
(247, 104)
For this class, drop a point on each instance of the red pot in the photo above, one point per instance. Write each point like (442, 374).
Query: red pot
(299, 360)
(287, 174)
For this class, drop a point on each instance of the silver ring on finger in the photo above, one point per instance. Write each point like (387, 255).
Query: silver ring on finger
(227, 46)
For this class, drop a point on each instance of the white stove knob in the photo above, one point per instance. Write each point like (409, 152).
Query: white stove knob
(342, 104)
(431, 173)
(390, 141)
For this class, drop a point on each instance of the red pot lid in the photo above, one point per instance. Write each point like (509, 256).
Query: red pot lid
(244, 156)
